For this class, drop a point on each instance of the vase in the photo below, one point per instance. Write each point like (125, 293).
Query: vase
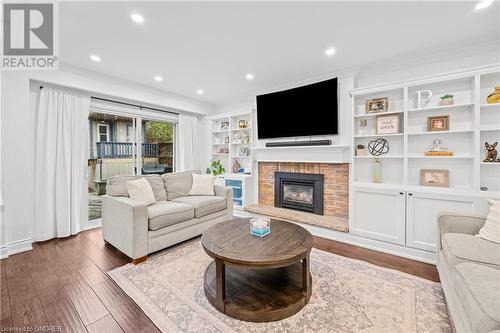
(360, 151)
(446, 101)
(494, 97)
(377, 171)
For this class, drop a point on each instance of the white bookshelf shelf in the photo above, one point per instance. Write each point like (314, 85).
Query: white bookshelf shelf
(490, 106)
(377, 114)
(381, 157)
(442, 107)
(496, 164)
(442, 132)
(468, 156)
(490, 128)
(377, 135)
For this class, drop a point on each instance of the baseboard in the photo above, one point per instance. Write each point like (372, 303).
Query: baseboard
(97, 223)
(4, 254)
(19, 246)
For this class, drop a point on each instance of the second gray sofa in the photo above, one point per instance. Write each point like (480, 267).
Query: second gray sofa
(138, 230)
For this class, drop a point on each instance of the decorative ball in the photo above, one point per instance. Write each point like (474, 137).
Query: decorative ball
(378, 146)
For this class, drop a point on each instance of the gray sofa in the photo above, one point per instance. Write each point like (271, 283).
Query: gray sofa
(469, 269)
(138, 230)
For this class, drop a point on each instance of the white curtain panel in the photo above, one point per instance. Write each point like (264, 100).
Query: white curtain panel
(61, 164)
(187, 136)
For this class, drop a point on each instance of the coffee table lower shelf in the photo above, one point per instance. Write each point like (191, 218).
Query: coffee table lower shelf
(258, 295)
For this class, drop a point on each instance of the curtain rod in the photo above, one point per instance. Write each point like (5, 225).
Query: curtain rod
(130, 104)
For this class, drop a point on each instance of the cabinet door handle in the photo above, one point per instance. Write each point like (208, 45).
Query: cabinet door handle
(401, 193)
(410, 194)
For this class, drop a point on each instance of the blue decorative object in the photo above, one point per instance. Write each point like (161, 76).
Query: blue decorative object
(260, 226)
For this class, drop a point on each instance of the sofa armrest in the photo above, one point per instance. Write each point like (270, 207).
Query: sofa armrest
(457, 223)
(125, 225)
(225, 192)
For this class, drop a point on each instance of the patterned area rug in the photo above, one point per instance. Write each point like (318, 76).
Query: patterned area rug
(348, 296)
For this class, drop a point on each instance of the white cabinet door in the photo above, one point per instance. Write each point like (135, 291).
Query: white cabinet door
(422, 211)
(379, 214)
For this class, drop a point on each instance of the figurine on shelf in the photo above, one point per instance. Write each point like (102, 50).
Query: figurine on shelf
(494, 97)
(236, 166)
(491, 152)
(242, 124)
(237, 138)
(245, 138)
(438, 149)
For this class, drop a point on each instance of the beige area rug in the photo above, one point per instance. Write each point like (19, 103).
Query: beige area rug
(292, 215)
(348, 296)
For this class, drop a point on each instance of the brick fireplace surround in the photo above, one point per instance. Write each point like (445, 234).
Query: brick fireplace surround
(336, 184)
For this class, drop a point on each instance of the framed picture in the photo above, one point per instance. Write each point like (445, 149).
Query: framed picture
(387, 124)
(376, 105)
(435, 178)
(438, 123)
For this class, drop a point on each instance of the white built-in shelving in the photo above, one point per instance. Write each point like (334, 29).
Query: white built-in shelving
(226, 140)
(472, 122)
(399, 210)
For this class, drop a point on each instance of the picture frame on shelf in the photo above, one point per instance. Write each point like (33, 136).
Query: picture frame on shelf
(438, 123)
(376, 105)
(435, 177)
(387, 124)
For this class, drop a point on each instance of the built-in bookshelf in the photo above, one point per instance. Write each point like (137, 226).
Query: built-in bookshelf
(231, 140)
(472, 122)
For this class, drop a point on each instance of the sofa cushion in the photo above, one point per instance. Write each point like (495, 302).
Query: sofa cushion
(204, 204)
(178, 184)
(460, 248)
(116, 186)
(140, 190)
(202, 185)
(166, 213)
(477, 287)
(491, 228)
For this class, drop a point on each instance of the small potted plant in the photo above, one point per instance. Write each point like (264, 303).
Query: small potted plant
(216, 169)
(360, 150)
(446, 100)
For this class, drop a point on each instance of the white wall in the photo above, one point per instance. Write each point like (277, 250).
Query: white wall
(19, 91)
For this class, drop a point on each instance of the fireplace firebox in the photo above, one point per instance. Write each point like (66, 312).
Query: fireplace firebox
(300, 191)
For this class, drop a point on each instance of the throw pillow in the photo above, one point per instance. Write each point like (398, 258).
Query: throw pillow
(202, 185)
(491, 228)
(140, 190)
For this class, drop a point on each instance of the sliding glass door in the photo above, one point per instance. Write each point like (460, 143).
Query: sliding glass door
(126, 142)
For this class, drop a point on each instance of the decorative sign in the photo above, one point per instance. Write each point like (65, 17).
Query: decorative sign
(435, 178)
(388, 124)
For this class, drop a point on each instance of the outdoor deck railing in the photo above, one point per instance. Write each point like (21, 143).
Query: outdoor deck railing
(124, 149)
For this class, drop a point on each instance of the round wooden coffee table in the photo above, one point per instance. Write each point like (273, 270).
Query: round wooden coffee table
(257, 279)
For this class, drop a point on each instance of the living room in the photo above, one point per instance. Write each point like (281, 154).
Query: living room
(250, 166)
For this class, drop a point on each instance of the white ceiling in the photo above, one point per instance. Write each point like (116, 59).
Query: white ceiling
(213, 45)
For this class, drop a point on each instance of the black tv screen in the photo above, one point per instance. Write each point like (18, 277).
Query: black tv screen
(304, 111)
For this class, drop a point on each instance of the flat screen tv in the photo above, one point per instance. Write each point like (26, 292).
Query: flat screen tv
(304, 111)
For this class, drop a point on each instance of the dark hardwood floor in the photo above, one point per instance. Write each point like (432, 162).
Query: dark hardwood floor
(64, 283)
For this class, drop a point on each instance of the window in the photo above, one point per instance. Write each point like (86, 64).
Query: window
(102, 133)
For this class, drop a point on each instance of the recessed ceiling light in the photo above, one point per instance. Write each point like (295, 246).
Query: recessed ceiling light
(200, 92)
(158, 78)
(483, 4)
(330, 51)
(137, 18)
(95, 58)
(249, 76)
